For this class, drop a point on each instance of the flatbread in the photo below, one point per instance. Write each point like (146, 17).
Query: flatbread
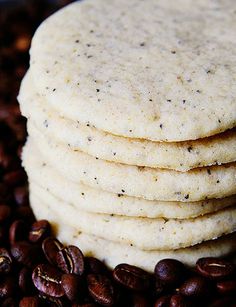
(148, 183)
(88, 199)
(114, 253)
(180, 156)
(159, 70)
(144, 233)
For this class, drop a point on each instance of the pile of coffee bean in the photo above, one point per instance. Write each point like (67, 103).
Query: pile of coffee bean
(35, 268)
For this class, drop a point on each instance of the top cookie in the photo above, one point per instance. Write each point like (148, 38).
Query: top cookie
(156, 69)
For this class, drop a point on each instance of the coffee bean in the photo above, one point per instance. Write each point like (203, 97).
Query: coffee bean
(8, 287)
(21, 196)
(25, 213)
(214, 268)
(70, 260)
(18, 231)
(131, 277)
(47, 279)
(5, 261)
(25, 281)
(51, 247)
(158, 287)
(163, 301)
(170, 271)
(195, 287)
(95, 266)
(73, 286)
(39, 231)
(101, 289)
(14, 178)
(178, 300)
(25, 253)
(5, 213)
(52, 301)
(31, 301)
(226, 287)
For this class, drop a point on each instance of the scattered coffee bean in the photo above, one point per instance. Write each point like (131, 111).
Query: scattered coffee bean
(139, 300)
(214, 268)
(25, 281)
(51, 247)
(9, 302)
(31, 301)
(18, 231)
(5, 213)
(224, 302)
(226, 287)
(8, 287)
(163, 301)
(178, 300)
(195, 287)
(25, 253)
(170, 271)
(47, 279)
(39, 231)
(131, 277)
(5, 261)
(101, 289)
(73, 286)
(95, 266)
(70, 260)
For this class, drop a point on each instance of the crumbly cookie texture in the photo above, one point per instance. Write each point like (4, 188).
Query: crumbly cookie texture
(160, 70)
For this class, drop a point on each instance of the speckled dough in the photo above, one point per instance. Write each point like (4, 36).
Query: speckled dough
(148, 183)
(85, 198)
(144, 233)
(115, 253)
(179, 156)
(156, 69)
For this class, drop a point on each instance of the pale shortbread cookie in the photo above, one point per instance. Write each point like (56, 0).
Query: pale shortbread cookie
(144, 233)
(156, 69)
(85, 198)
(148, 183)
(179, 156)
(114, 253)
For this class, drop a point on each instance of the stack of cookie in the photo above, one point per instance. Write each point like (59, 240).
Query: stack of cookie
(132, 143)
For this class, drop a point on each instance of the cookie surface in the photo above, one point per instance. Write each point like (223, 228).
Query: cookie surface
(180, 156)
(143, 182)
(144, 233)
(121, 253)
(157, 70)
(91, 200)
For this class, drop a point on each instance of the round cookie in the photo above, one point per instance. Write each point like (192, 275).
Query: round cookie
(88, 199)
(165, 80)
(144, 233)
(115, 253)
(180, 156)
(148, 183)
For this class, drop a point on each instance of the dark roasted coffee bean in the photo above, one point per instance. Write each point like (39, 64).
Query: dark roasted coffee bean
(47, 279)
(70, 260)
(21, 196)
(101, 289)
(14, 178)
(131, 277)
(39, 231)
(31, 301)
(25, 280)
(158, 287)
(163, 301)
(51, 247)
(73, 286)
(214, 268)
(170, 271)
(95, 266)
(195, 287)
(25, 253)
(5, 213)
(18, 231)
(25, 213)
(224, 302)
(139, 300)
(178, 300)
(5, 261)
(7, 287)
(226, 287)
